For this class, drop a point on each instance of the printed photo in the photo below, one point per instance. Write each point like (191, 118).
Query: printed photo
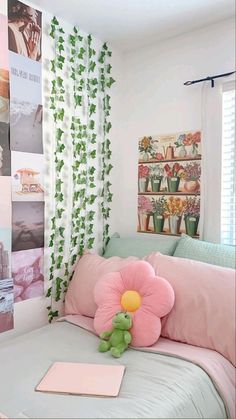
(26, 79)
(4, 43)
(24, 30)
(27, 272)
(5, 154)
(5, 206)
(26, 126)
(5, 251)
(6, 305)
(27, 225)
(27, 176)
(4, 96)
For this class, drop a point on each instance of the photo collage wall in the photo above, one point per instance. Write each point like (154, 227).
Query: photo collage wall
(169, 183)
(21, 159)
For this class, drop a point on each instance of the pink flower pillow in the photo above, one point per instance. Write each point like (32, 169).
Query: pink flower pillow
(137, 290)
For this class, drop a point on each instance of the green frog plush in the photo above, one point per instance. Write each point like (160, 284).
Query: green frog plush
(119, 338)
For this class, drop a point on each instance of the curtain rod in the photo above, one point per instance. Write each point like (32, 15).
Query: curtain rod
(209, 78)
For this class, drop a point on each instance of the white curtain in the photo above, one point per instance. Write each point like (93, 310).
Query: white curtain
(211, 162)
(210, 227)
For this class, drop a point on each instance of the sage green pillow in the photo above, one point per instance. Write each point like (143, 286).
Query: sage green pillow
(140, 246)
(215, 254)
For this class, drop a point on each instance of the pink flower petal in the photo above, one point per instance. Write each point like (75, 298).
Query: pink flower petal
(103, 317)
(109, 289)
(158, 297)
(146, 328)
(135, 274)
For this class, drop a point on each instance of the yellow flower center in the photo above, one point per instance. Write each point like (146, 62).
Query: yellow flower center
(130, 300)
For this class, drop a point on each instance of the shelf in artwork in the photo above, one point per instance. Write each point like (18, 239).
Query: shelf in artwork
(168, 193)
(166, 233)
(169, 161)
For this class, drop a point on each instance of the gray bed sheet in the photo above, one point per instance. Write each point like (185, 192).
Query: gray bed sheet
(154, 385)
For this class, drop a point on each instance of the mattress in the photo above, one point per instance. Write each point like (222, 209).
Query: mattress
(154, 385)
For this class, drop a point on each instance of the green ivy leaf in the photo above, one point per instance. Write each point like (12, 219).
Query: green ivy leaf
(91, 124)
(61, 114)
(61, 30)
(59, 81)
(61, 59)
(91, 215)
(90, 242)
(108, 68)
(60, 212)
(92, 199)
(58, 288)
(108, 127)
(60, 48)
(61, 231)
(59, 133)
(92, 154)
(92, 109)
(109, 197)
(55, 21)
(101, 58)
(61, 40)
(78, 100)
(110, 81)
(72, 40)
(92, 66)
(59, 261)
(81, 53)
(52, 33)
(81, 69)
(49, 292)
(53, 66)
(59, 184)
(109, 168)
(93, 93)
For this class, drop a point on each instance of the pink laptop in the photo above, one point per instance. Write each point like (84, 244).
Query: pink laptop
(86, 379)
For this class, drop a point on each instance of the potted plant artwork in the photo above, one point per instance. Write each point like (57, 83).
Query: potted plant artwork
(159, 209)
(145, 148)
(174, 209)
(143, 178)
(173, 175)
(191, 215)
(145, 209)
(156, 175)
(180, 145)
(191, 176)
(192, 140)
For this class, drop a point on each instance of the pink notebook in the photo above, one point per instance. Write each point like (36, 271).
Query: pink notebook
(86, 379)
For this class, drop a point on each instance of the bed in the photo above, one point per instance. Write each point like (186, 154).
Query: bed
(155, 385)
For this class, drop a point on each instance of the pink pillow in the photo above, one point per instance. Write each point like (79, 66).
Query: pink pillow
(89, 269)
(137, 290)
(204, 310)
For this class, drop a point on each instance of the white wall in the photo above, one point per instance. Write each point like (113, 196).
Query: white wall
(156, 102)
(32, 314)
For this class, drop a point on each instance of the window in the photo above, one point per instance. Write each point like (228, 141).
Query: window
(228, 175)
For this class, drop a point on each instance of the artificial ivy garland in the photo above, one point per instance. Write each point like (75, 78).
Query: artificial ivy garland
(106, 82)
(88, 88)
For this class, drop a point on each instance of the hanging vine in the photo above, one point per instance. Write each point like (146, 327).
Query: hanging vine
(90, 77)
(59, 268)
(106, 82)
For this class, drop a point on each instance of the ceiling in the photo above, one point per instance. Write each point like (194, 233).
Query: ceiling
(130, 24)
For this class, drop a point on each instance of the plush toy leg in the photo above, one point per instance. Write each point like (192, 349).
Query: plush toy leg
(118, 350)
(104, 346)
